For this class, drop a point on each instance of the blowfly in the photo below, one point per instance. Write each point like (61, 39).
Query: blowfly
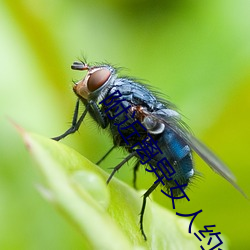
(148, 127)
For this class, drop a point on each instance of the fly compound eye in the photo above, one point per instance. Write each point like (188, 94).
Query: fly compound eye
(97, 79)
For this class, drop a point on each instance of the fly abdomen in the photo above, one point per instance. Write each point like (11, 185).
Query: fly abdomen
(178, 149)
(179, 156)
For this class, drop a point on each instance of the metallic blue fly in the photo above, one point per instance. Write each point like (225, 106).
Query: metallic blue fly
(148, 127)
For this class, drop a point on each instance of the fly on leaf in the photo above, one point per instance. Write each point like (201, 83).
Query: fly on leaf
(148, 127)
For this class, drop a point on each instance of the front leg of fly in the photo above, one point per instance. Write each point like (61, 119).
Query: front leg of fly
(94, 111)
(99, 116)
(75, 123)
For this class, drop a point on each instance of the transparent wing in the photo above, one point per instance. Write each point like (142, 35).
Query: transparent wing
(175, 124)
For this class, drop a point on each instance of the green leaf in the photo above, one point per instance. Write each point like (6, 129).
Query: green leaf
(106, 215)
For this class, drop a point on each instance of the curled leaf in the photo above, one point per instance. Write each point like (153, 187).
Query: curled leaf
(106, 216)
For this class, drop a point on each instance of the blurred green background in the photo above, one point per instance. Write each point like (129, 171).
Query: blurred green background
(195, 52)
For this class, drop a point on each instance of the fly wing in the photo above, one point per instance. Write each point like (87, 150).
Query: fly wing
(176, 125)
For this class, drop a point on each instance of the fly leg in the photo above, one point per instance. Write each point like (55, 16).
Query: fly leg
(105, 155)
(137, 165)
(75, 124)
(97, 114)
(145, 196)
(120, 165)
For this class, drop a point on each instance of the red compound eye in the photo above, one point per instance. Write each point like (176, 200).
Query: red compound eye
(97, 79)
